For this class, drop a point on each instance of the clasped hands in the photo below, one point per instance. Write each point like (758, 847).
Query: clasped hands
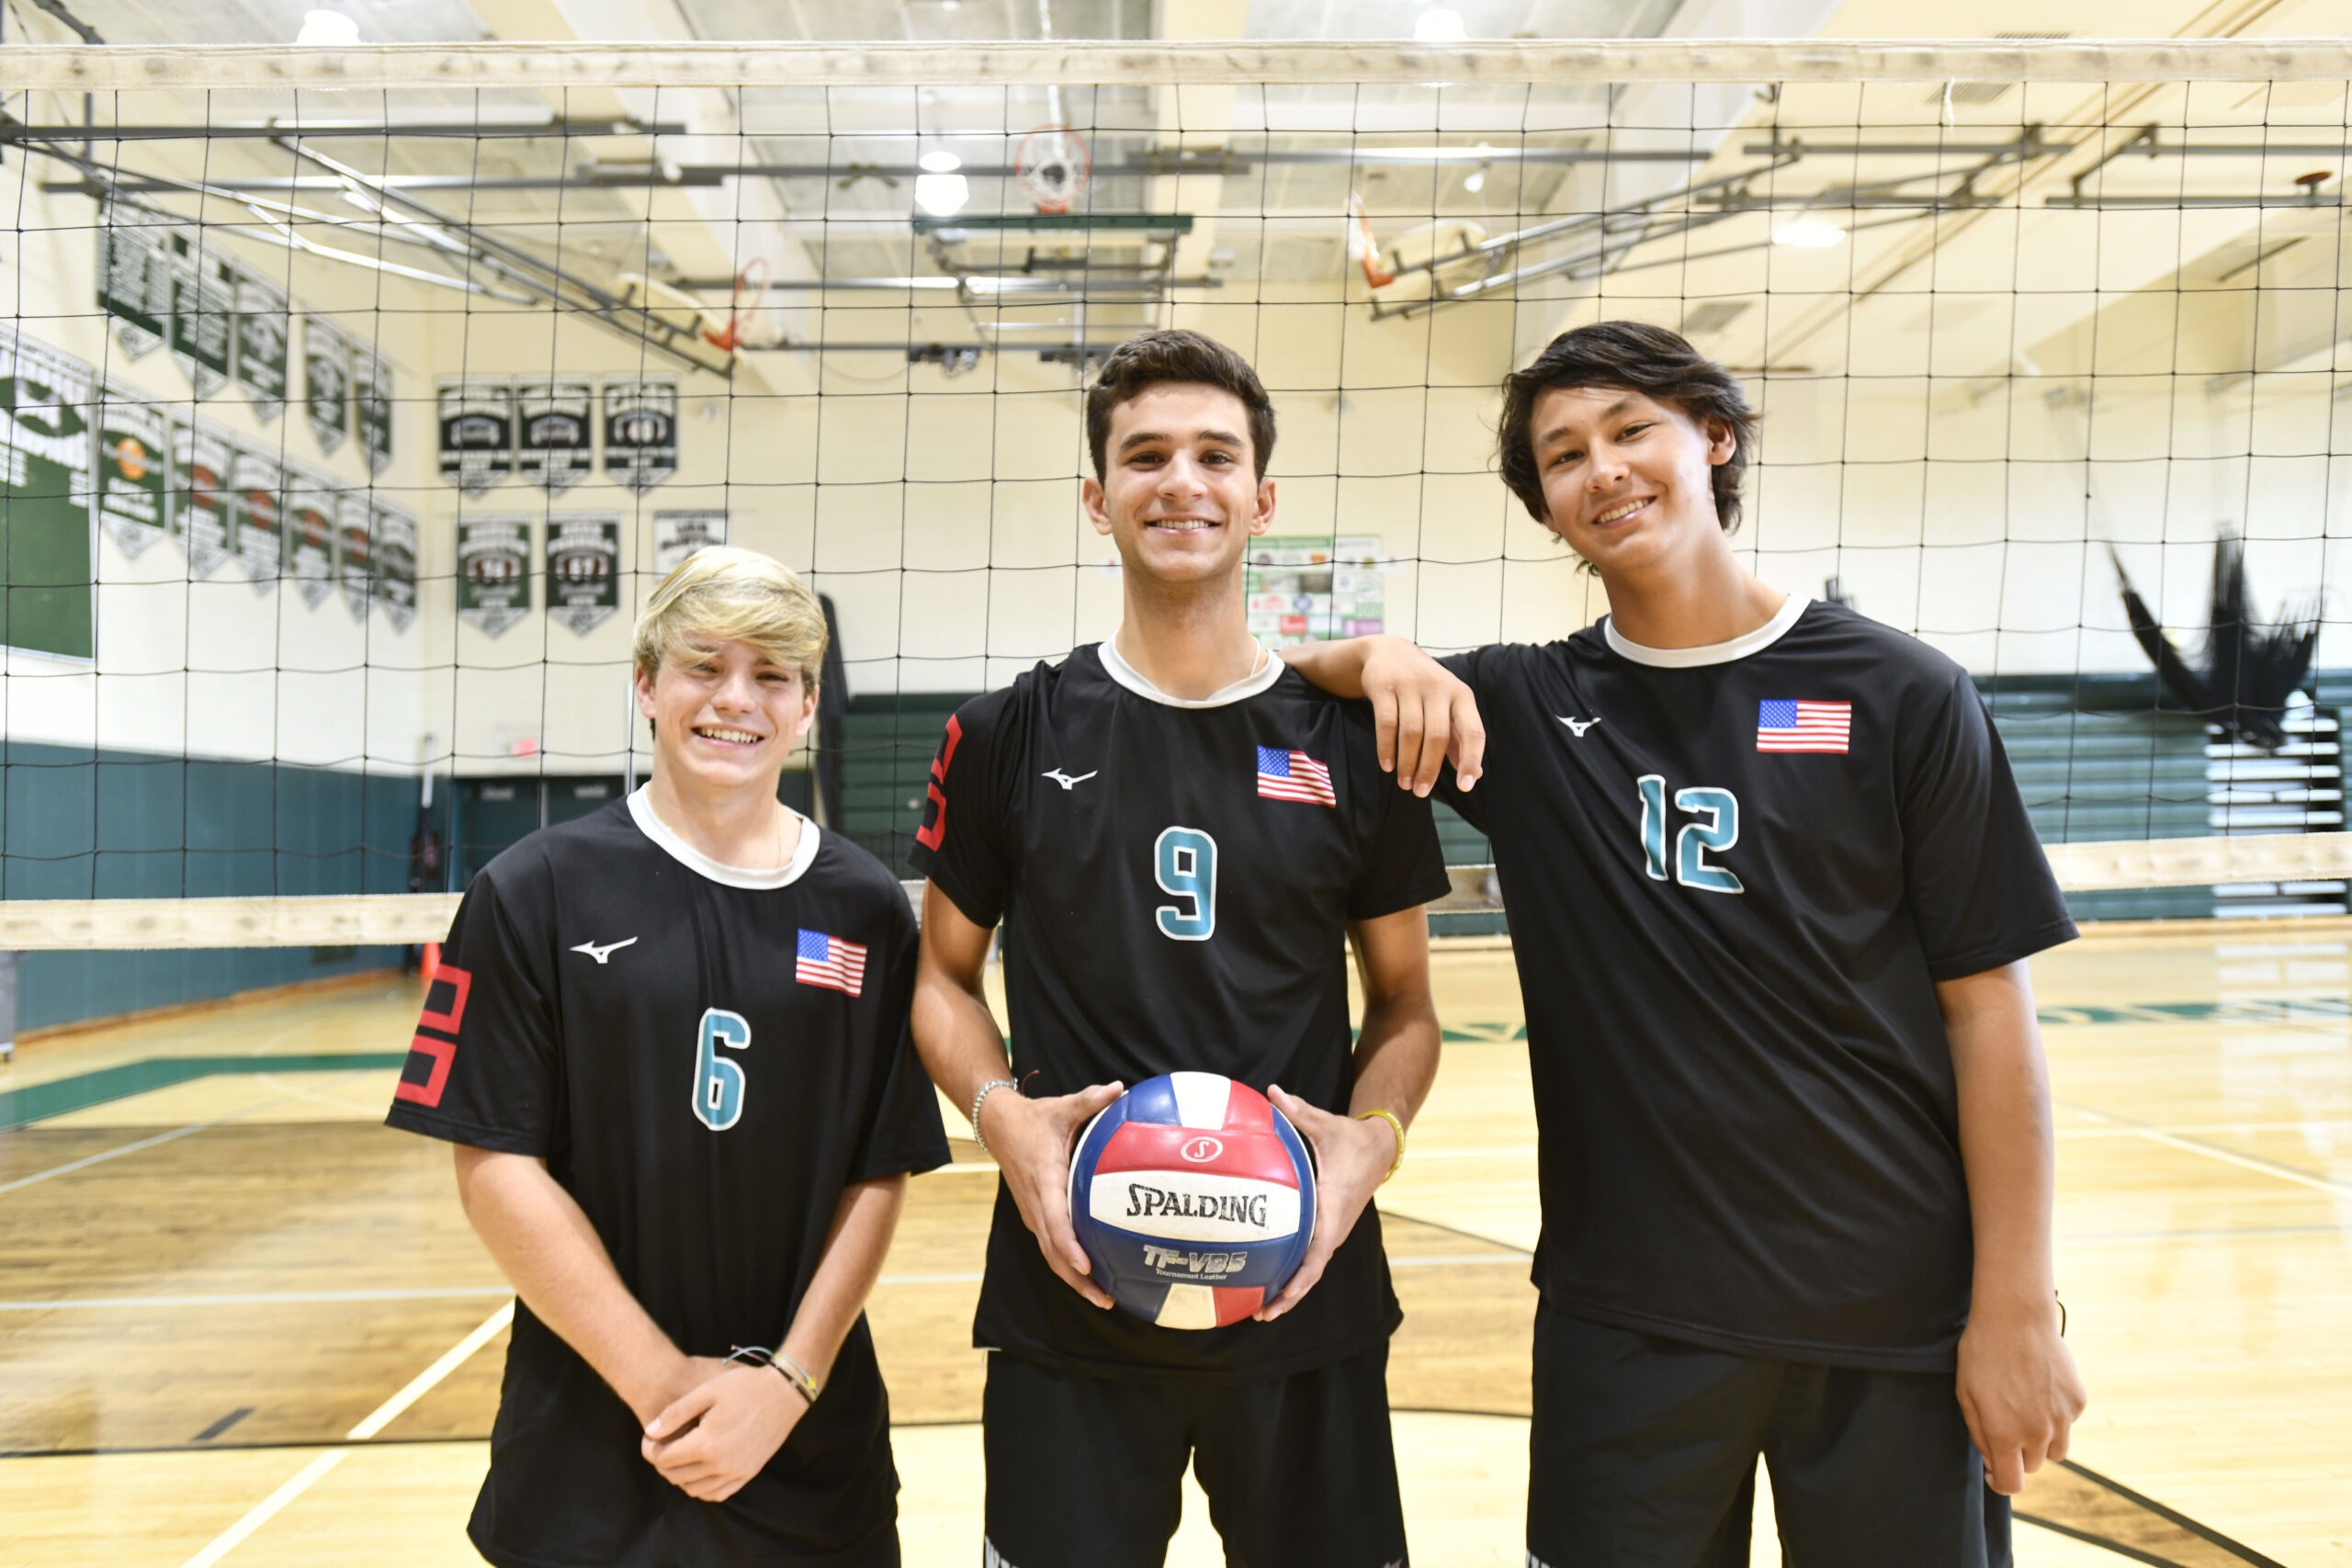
(718, 1424)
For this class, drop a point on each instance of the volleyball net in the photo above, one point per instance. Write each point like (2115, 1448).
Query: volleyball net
(355, 398)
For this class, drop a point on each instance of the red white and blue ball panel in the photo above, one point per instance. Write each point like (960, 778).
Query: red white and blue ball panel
(1194, 1198)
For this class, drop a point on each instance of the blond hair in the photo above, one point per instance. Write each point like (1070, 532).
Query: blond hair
(722, 593)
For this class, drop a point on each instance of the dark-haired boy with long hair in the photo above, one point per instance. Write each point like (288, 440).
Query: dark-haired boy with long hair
(1181, 836)
(1772, 890)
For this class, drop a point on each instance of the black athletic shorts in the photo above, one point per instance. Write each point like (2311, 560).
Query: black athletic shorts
(1643, 1451)
(1088, 1472)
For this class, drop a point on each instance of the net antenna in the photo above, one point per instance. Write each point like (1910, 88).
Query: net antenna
(1053, 165)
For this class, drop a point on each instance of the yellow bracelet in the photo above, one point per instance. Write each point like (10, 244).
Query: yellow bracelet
(1389, 1117)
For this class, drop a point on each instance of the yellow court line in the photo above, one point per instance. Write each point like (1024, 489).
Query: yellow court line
(377, 1420)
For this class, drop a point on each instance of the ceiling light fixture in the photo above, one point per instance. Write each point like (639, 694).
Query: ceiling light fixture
(1439, 25)
(942, 195)
(329, 29)
(1476, 179)
(1809, 234)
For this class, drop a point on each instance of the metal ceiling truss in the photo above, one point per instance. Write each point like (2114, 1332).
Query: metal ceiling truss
(479, 261)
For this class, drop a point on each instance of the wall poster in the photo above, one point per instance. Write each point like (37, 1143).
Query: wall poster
(493, 570)
(46, 401)
(641, 430)
(134, 462)
(556, 430)
(677, 535)
(583, 568)
(1302, 587)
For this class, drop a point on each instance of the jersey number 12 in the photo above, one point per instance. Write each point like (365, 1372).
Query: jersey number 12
(718, 1082)
(1719, 831)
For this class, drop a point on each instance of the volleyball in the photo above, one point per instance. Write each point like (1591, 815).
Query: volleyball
(1194, 1198)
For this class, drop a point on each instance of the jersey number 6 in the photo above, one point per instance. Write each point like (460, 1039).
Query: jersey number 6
(1719, 831)
(719, 1083)
(1184, 861)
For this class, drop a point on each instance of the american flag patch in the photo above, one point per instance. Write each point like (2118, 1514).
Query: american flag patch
(829, 961)
(1802, 727)
(1293, 775)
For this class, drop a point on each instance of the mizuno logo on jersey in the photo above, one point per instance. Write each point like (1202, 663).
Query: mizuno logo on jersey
(1063, 780)
(830, 962)
(1576, 726)
(604, 954)
(1787, 726)
(1293, 775)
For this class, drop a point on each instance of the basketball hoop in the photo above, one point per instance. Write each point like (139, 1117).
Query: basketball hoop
(749, 298)
(1361, 245)
(1053, 165)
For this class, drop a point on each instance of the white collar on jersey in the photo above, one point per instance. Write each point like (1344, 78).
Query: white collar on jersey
(1249, 685)
(640, 811)
(1740, 647)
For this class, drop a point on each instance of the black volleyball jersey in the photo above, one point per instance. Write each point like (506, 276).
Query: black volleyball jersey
(705, 1057)
(1176, 879)
(1733, 877)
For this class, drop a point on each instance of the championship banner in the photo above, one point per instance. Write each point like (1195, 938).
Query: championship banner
(493, 570)
(355, 558)
(326, 382)
(583, 568)
(263, 329)
(310, 510)
(395, 564)
(204, 304)
(134, 279)
(641, 430)
(477, 432)
(371, 398)
(45, 484)
(677, 535)
(199, 499)
(134, 460)
(556, 424)
(256, 501)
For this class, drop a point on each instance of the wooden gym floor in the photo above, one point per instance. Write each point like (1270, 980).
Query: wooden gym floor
(241, 1322)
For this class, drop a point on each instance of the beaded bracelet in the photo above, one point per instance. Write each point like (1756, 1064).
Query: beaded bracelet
(981, 1098)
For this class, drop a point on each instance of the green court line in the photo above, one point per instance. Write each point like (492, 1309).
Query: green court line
(82, 1091)
(85, 1090)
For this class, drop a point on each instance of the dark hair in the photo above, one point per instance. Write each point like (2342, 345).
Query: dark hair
(1151, 359)
(1632, 356)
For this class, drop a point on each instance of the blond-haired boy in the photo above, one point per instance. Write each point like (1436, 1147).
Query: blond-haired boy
(668, 1040)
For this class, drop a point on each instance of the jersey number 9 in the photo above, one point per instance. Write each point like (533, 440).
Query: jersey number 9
(718, 1082)
(1185, 863)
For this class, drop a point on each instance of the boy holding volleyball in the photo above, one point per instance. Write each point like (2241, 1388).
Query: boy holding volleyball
(1772, 890)
(1181, 836)
(668, 1040)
